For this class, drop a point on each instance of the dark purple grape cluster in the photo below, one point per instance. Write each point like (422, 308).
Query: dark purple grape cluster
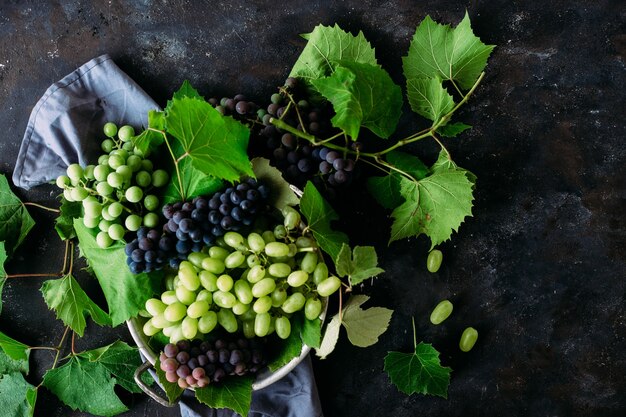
(337, 169)
(149, 251)
(238, 106)
(197, 364)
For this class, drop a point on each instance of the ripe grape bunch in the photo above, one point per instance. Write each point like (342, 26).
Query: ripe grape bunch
(196, 364)
(116, 193)
(191, 225)
(252, 284)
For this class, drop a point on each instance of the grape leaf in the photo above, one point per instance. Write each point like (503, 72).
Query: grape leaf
(13, 355)
(444, 164)
(291, 347)
(408, 163)
(18, 396)
(64, 224)
(418, 372)
(126, 294)
(185, 90)
(453, 129)
(319, 214)
(172, 390)
(215, 144)
(428, 98)
(435, 206)
(149, 140)
(358, 266)
(3, 272)
(281, 194)
(364, 326)
(84, 385)
(329, 340)
(72, 304)
(312, 333)
(121, 360)
(234, 393)
(325, 47)
(195, 183)
(362, 95)
(15, 222)
(438, 51)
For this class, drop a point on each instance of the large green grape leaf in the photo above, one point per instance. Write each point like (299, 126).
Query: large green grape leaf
(72, 304)
(428, 98)
(216, 144)
(362, 95)
(194, 183)
(330, 337)
(435, 206)
(281, 194)
(15, 222)
(17, 397)
(364, 327)
(438, 51)
(64, 224)
(325, 47)
(418, 372)
(13, 355)
(234, 393)
(319, 214)
(126, 294)
(359, 265)
(121, 360)
(85, 385)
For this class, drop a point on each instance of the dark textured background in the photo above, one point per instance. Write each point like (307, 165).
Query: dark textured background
(539, 270)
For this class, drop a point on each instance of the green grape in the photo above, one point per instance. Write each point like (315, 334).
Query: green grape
(279, 270)
(218, 253)
(205, 295)
(262, 324)
(328, 286)
(154, 306)
(292, 220)
(276, 249)
(441, 312)
(104, 225)
(115, 209)
(263, 287)
(115, 180)
(116, 231)
(225, 283)
(248, 315)
(103, 240)
(312, 308)
(175, 312)
(279, 295)
(149, 329)
(293, 250)
(240, 308)
(104, 189)
(134, 162)
(67, 194)
(169, 282)
(143, 179)
(297, 278)
(184, 295)
(139, 152)
(128, 146)
(208, 280)
(433, 262)
(125, 133)
(253, 260)
(100, 172)
(151, 202)
(234, 240)
(160, 178)
(305, 242)
(189, 327)
(468, 339)
(224, 299)
(151, 220)
(283, 327)
(256, 274)
(107, 145)
(280, 232)
(243, 291)
(79, 193)
(268, 236)
(91, 222)
(89, 172)
(196, 259)
(160, 322)
(294, 303)
(92, 207)
(75, 172)
(262, 305)
(213, 265)
(207, 322)
(234, 260)
(256, 242)
(125, 172)
(276, 98)
(134, 194)
(189, 278)
(132, 222)
(226, 318)
(248, 329)
(103, 160)
(146, 165)
(116, 161)
(169, 297)
(63, 181)
(105, 214)
(309, 262)
(110, 129)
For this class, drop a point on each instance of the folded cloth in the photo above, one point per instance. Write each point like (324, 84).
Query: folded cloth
(65, 127)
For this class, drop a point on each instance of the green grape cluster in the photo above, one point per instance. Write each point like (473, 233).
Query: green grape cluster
(117, 192)
(253, 284)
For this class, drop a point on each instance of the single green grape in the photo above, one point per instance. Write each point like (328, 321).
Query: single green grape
(226, 318)
(175, 312)
(154, 306)
(468, 339)
(263, 287)
(107, 145)
(110, 129)
(128, 146)
(151, 202)
(234, 260)
(116, 231)
(143, 179)
(207, 322)
(225, 283)
(433, 262)
(104, 189)
(115, 180)
(441, 312)
(100, 172)
(103, 240)
(90, 222)
(63, 181)
(104, 225)
(213, 265)
(134, 194)
(75, 172)
(116, 160)
(89, 172)
(147, 165)
(160, 178)
(134, 162)
(276, 249)
(283, 327)
(328, 286)
(151, 220)
(294, 303)
(103, 160)
(125, 172)
(126, 133)
(133, 222)
(312, 308)
(262, 304)
(262, 324)
(79, 193)
(115, 209)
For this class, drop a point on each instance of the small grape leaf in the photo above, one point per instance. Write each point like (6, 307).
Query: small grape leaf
(64, 224)
(312, 332)
(234, 393)
(453, 129)
(84, 385)
(325, 47)
(126, 294)
(435, 206)
(172, 390)
(291, 347)
(121, 360)
(408, 163)
(364, 327)
(358, 266)
(18, 396)
(215, 144)
(319, 214)
(444, 164)
(428, 98)
(281, 194)
(438, 51)
(72, 304)
(362, 95)
(3, 272)
(152, 137)
(329, 340)
(13, 355)
(419, 372)
(15, 222)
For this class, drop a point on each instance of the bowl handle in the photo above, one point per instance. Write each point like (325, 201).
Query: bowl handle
(149, 390)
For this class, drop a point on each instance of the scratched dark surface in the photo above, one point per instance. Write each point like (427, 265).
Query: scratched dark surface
(539, 270)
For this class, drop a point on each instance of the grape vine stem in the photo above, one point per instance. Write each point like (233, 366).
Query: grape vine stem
(176, 161)
(28, 203)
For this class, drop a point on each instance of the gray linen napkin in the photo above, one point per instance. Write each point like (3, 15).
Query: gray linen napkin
(64, 128)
